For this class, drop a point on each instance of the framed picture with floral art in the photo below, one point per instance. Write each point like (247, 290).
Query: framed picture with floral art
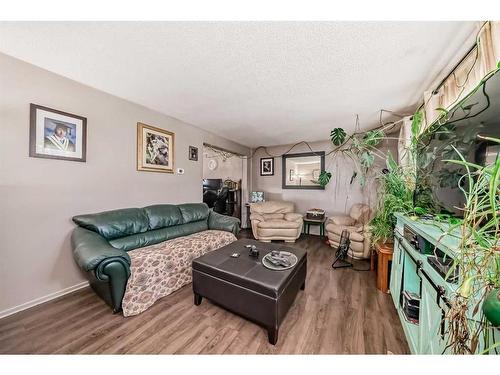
(155, 149)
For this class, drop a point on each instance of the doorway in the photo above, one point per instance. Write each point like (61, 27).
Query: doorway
(225, 180)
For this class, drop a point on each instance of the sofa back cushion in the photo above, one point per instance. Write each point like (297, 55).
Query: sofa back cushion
(194, 212)
(116, 223)
(163, 215)
(361, 213)
(272, 207)
(131, 228)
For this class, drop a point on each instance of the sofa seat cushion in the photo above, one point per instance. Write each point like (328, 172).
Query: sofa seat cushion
(277, 223)
(161, 269)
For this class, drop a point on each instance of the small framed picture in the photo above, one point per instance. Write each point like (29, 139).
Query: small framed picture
(57, 135)
(257, 196)
(193, 153)
(155, 149)
(267, 166)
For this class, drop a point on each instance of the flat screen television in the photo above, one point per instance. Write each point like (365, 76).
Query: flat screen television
(438, 182)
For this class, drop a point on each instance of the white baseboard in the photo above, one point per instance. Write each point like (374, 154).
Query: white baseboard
(43, 299)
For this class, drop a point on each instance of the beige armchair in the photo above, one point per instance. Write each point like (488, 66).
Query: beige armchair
(356, 224)
(275, 220)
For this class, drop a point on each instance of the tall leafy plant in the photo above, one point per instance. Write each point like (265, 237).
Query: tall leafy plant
(478, 257)
(394, 195)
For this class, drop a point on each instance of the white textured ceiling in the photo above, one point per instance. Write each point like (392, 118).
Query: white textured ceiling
(257, 83)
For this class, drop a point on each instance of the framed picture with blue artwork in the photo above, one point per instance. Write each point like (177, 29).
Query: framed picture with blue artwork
(56, 134)
(257, 196)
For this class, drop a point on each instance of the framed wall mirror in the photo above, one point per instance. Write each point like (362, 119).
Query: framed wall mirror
(301, 171)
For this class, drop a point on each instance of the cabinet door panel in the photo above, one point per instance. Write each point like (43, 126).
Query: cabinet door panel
(432, 340)
(395, 282)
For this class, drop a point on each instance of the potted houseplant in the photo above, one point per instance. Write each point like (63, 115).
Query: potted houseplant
(395, 195)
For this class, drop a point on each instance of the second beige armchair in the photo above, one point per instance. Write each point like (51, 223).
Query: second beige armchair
(275, 220)
(356, 224)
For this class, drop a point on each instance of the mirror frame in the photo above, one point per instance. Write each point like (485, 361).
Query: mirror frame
(321, 154)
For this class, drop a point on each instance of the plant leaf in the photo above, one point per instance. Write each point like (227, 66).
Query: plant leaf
(324, 178)
(391, 163)
(366, 159)
(466, 288)
(373, 137)
(337, 136)
(443, 111)
(420, 211)
(415, 123)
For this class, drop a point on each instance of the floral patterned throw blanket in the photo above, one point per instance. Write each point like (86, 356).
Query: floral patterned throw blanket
(159, 270)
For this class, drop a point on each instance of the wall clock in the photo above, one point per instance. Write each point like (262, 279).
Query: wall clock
(212, 164)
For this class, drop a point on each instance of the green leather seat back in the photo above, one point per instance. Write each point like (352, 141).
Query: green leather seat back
(130, 228)
(163, 215)
(116, 223)
(194, 212)
(158, 235)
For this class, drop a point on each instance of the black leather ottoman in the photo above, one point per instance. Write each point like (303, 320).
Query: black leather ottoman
(244, 286)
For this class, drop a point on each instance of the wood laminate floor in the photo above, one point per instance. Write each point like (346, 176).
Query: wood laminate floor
(340, 312)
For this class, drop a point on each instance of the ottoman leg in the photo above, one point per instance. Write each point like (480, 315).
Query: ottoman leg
(197, 299)
(272, 335)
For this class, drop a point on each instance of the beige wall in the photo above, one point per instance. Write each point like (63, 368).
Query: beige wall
(38, 197)
(338, 196)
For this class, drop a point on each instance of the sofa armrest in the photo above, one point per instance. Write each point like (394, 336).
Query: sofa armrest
(342, 220)
(293, 217)
(222, 222)
(90, 249)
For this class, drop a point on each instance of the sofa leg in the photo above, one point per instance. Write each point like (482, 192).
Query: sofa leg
(197, 299)
(272, 335)
(303, 286)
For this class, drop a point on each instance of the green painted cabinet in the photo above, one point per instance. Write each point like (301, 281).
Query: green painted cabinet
(412, 272)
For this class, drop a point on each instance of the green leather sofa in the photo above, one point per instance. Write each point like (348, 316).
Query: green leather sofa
(101, 241)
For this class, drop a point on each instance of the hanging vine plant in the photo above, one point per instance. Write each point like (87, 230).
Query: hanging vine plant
(361, 148)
